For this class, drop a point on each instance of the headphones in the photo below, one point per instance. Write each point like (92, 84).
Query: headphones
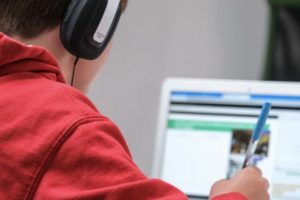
(88, 26)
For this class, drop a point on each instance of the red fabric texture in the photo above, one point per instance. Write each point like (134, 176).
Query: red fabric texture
(230, 196)
(54, 144)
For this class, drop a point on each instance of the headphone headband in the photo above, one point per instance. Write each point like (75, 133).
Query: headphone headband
(106, 21)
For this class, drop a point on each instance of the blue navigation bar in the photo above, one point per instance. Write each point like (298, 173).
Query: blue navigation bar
(224, 96)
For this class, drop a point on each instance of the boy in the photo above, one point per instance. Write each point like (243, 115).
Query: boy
(54, 144)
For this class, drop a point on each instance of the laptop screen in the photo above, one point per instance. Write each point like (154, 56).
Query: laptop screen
(207, 134)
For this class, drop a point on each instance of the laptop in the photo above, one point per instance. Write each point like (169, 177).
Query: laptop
(205, 125)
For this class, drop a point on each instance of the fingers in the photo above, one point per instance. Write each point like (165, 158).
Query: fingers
(256, 171)
(248, 182)
(253, 170)
(266, 183)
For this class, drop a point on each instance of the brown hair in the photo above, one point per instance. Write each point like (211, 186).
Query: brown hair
(29, 18)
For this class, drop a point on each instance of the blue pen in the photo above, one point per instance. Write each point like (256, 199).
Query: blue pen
(257, 133)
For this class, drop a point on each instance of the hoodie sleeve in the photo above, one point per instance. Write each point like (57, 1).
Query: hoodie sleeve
(94, 163)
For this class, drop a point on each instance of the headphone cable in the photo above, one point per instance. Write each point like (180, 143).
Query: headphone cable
(74, 69)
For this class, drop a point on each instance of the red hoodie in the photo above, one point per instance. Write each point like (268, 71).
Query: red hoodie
(54, 144)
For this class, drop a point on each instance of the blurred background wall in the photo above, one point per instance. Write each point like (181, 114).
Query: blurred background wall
(175, 38)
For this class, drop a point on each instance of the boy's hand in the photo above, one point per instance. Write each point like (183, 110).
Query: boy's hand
(249, 182)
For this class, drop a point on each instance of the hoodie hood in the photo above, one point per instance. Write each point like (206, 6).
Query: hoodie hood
(16, 57)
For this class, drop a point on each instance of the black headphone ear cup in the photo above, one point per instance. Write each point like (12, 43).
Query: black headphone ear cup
(80, 24)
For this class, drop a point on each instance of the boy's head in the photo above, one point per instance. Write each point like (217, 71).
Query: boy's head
(29, 18)
(37, 22)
